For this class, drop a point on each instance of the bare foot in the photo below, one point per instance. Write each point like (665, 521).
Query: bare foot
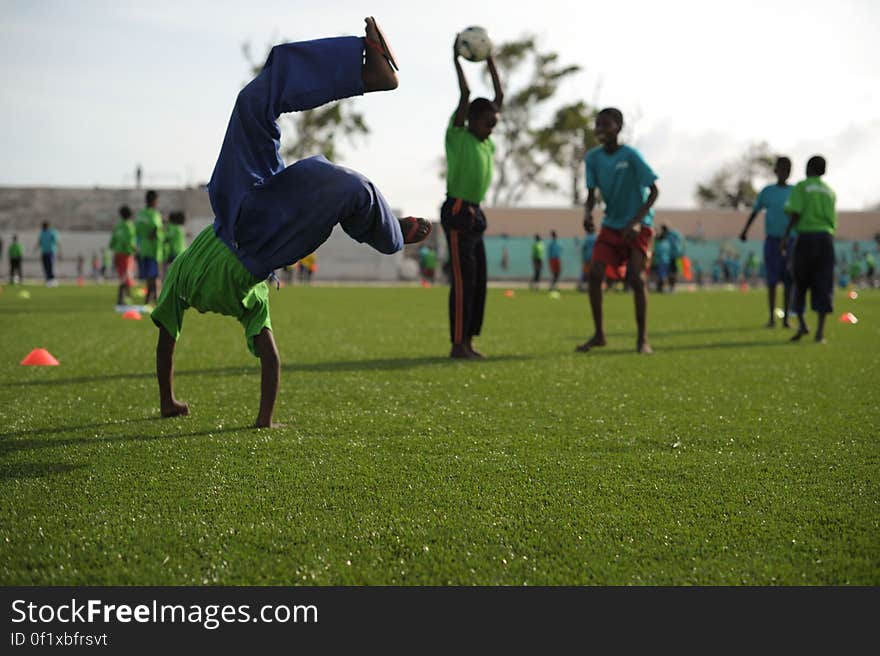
(800, 333)
(415, 229)
(644, 348)
(461, 352)
(271, 424)
(175, 409)
(820, 339)
(474, 352)
(377, 72)
(594, 341)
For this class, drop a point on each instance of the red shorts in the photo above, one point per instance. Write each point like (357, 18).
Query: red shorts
(555, 265)
(123, 264)
(612, 250)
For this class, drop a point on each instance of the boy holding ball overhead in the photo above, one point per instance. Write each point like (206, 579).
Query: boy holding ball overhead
(469, 155)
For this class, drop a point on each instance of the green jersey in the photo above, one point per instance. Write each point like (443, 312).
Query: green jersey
(813, 201)
(123, 239)
(538, 250)
(148, 228)
(469, 164)
(208, 277)
(14, 250)
(175, 240)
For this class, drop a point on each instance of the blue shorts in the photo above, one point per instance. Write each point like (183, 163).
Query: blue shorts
(151, 267)
(775, 264)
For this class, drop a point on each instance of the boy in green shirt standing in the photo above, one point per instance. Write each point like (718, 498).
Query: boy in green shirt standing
(123, 243)
(175, 237)
(811, 208)
(150, 238)
(15, 253)
(469, 154)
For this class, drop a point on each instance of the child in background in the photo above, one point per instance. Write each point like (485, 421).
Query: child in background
(662, 258)
(629, 190)
(811, 206)
(123, 242)
(150, 244)
(771, 200)
(554, 258)
(537, 262)
(175, 237)
(586, 257)
(15, 254)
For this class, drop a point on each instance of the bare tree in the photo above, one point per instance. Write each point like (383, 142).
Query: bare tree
(734, 184)
(521, 164)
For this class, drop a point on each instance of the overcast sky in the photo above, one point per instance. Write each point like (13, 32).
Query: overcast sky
(91, 88)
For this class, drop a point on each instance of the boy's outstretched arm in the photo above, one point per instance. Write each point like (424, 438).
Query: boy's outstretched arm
(496, 82)
(168, 405)
(270, 377)
(589, 225)
(745, 230)
(465, 92)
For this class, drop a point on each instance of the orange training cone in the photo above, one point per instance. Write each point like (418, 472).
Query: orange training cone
(509, 293)
(848, 317)
(40, 357)
(131, 314)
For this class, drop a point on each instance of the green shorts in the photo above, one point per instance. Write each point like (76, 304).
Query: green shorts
(208, 277)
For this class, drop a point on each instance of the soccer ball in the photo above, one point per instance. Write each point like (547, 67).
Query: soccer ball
(473, 43)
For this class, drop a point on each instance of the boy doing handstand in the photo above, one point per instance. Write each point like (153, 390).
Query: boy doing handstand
(268, 216)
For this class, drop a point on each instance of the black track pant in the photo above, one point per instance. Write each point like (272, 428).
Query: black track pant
(464, 224)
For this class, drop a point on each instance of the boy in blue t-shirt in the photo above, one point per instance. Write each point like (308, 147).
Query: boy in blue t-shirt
(662, 258)
(629, 191)
(47, 244)
(777, 268)
(586, 257)
(554, 259)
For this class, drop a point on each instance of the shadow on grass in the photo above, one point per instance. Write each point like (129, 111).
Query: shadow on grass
(16, 471)
(55, 309)
(604, 350)
(11, 445)
(683, 331)
(382, 364)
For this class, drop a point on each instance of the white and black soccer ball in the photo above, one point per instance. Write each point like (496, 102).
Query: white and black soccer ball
(473, 43)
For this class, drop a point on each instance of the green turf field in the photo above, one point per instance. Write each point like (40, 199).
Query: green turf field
(728, 457)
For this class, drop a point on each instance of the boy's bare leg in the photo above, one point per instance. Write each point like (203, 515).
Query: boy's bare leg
(820, 328)
(786, 304)
(597, 277)
(637, 276)
(376, 73)
(270, 377)
(802, 329)
(168, 405)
